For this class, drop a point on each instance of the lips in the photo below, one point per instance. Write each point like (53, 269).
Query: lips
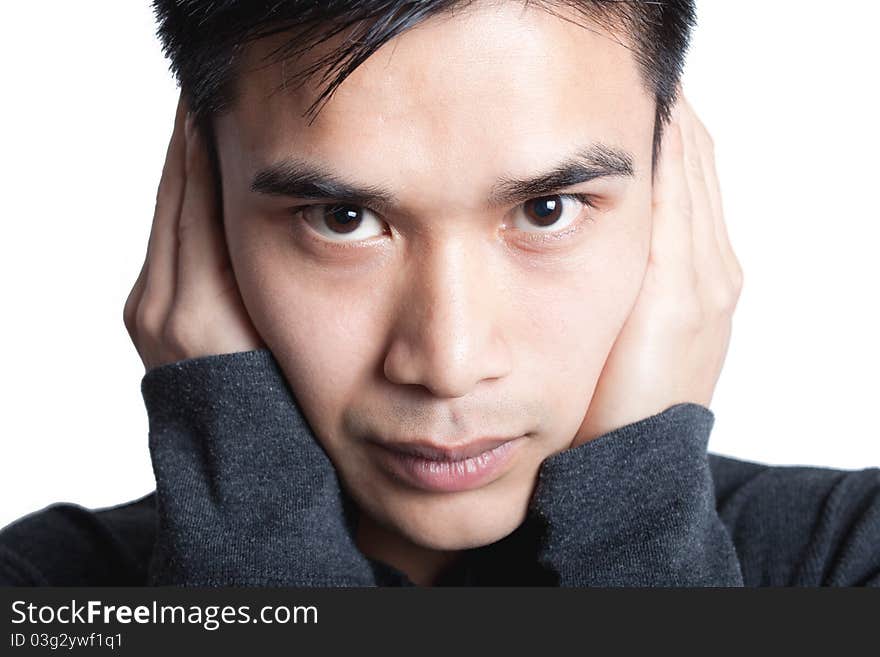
(441, 468)
(443, 452)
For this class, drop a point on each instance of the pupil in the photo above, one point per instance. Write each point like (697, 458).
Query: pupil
(545, 211)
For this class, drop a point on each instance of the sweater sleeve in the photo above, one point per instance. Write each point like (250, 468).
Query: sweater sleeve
(634, 507)
(245, 495)
(66, 544)
(796, 525)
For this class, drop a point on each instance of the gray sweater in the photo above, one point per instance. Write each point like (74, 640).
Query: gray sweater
(245, 495)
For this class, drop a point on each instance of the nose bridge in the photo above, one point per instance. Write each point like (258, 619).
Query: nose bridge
(447, 335)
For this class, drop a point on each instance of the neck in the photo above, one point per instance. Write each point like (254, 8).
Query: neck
(422, 565)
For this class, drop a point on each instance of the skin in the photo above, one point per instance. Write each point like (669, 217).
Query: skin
(450, 318)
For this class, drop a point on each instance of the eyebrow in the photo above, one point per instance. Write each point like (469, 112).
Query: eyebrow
(299, 178)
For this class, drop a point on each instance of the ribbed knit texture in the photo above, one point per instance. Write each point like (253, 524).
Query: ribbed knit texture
(245, 495)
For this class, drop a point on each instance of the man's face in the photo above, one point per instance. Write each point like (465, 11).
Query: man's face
(457, 311)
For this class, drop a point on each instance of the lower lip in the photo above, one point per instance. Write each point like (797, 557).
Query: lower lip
(448, 476)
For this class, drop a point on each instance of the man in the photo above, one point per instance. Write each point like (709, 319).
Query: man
(455, 318)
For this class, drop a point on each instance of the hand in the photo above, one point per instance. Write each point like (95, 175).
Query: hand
(185, 302)
(672, 346)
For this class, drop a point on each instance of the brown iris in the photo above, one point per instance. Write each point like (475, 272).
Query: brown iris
(544, 211)
(347, 217)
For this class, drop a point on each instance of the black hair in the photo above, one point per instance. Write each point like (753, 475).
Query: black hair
(204, 40)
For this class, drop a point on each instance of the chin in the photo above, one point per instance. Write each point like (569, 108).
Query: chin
(460, 522)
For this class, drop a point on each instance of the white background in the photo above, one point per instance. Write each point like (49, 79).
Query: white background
(788, 94)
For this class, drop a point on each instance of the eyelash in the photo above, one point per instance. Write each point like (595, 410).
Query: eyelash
(545, 238)
(585, 199)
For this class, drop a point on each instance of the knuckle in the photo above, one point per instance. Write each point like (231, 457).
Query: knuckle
(178, 334)
(148, 320)
(128, 311)
(129, 306)
(173, 336)
(724, 300)
(738, 279)
(736, 272)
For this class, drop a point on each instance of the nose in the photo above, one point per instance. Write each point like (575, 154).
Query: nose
(448, 334)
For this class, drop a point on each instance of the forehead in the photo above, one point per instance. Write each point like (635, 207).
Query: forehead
(489, 88)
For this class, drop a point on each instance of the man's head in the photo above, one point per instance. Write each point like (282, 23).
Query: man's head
(478, 220)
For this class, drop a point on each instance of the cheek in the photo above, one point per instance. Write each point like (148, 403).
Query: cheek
(323, 338)
(576, 318)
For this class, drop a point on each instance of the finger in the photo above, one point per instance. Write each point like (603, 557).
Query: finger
(714, 188)
(133, 301)
(671, 242)
(711, 271)
(161, 271)
(203, 256)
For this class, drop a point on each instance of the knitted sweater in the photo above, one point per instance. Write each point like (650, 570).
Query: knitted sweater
(246, 496)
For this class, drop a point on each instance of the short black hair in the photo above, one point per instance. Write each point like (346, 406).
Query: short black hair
(204, 40)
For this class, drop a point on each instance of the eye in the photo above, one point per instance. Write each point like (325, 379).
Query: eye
(347, 223)
(555, 212)
(339, 222)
